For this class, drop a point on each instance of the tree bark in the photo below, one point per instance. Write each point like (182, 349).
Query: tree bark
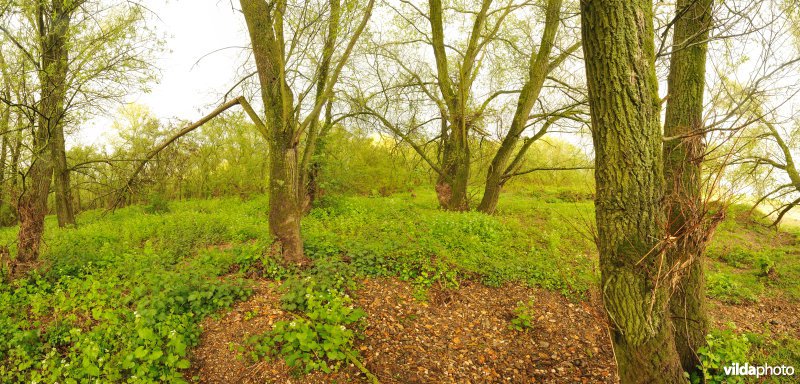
(5, 145)
(683, 157)
(538, 68)
(32, 207)
(623, 97)
(313, 167)
(265, 25)
(63, 192)
(451, 185)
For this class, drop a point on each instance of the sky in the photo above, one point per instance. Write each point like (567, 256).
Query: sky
(193, 30)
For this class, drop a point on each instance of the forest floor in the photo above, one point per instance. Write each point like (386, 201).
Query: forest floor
(457, 336)
(165, 294)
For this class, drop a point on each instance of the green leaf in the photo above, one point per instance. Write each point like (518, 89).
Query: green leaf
(145, 333)
(140, 352)
(156, 355)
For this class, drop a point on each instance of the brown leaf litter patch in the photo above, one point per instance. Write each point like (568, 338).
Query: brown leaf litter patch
(778, 315)
(456, 336)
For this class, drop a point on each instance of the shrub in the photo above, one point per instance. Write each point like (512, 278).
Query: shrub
(156, 204)
(316, 340)
(723, 348)
(727, 288)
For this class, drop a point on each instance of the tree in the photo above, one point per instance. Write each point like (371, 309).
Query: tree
(53, 24)
(460, 97)
(266, 24)
(539, 66)
(683, 159)
(625, 110)
(83, 53)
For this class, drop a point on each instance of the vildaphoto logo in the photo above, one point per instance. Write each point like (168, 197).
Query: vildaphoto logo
(746, 369)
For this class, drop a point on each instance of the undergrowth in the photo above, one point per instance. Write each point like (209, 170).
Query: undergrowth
(324, 326)
(121, 296)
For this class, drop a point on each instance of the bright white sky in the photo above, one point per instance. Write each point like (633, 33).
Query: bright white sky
(192, 29)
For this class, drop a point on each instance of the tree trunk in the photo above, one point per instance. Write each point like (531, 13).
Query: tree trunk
(285, 199)
(538, 68)
(52, 77)
(313, 167)
(623, 97)
(284, 184)
(63, 191)
(451, 186)
(32, 209)
(683, 156)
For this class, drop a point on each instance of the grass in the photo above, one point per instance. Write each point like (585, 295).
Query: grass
(530, 241)
(122, 295)
(748, 260)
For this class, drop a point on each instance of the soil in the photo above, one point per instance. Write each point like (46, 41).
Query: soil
(773, 314)
(454, 336)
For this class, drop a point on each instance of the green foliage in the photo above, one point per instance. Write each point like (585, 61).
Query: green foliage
(382, 166)
(157, 204)
(408, 237)
(747, 259)
(775, 350)
(765, 266)
(318, 337)
(122, 296)
(523, 316)
(723, 348)
(730, 288)
(738, 258)
(256, 258)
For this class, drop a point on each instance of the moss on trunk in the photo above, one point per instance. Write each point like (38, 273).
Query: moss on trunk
(683, 156)
(623, 97)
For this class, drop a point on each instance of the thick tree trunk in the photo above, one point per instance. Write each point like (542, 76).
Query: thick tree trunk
(491, 191)
(623, 96)
(32, 207)
(683, 156)
(451, 186)
(285, 209)
(285, 199)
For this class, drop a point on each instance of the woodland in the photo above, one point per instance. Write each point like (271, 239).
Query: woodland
(403, 191)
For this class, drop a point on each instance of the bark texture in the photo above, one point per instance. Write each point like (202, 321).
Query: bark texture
(623, 97)
(61, 180)
(53, 29)
(264, 22)
(683, 157)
